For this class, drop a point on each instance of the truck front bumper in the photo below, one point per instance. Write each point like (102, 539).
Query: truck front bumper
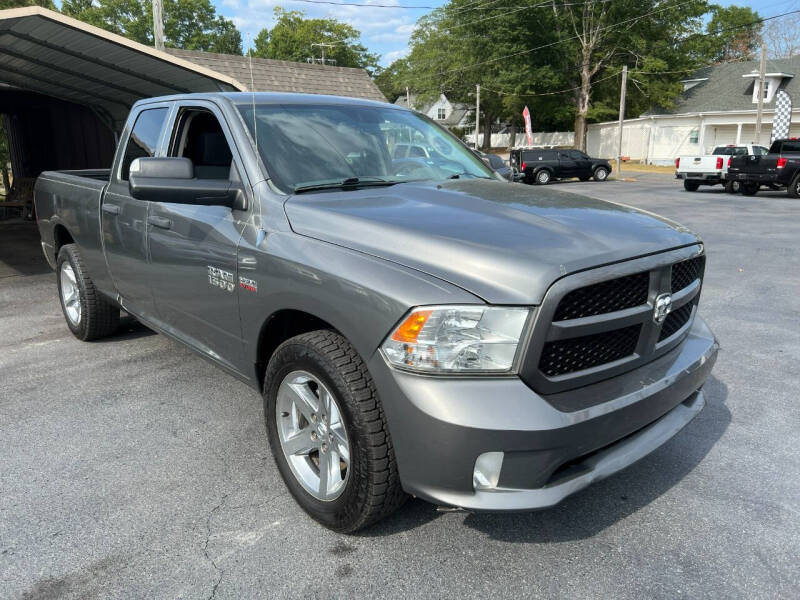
(440, 426)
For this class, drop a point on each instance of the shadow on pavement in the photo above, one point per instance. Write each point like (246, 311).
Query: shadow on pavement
(20, 249)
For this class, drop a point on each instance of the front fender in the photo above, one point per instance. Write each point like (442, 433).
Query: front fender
(360, 295)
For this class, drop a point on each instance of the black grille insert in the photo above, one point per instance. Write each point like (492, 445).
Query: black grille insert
(685, 272)
(576, 354)
(604, 297)
(674, 321)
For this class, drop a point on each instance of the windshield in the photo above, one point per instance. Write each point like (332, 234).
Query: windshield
(310, 146)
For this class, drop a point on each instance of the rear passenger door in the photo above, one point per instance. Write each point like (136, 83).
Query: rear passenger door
(124, 218)
(193, 248)
(567, 165)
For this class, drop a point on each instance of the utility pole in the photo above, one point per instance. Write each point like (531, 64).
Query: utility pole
(158, 25)
(408, 99)
(762, 71)
(622, 91)
(477, 112)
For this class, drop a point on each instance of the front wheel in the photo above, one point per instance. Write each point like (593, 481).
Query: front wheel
(690, 186)
(733, 187)
(600, 174)
(750, 189)
(89, 315)
(543, 177)
(328, 433)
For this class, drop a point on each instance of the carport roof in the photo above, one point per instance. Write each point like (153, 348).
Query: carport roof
(46, 52)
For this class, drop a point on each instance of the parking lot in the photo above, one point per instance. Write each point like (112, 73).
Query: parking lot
(132, 468)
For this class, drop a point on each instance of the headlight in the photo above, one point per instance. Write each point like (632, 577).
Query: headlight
(456, 339)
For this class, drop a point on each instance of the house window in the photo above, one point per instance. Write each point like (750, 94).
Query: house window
(441, 114)
(766, 90)
(694, 136)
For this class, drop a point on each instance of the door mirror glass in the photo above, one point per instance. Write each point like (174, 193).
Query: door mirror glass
(172, 180)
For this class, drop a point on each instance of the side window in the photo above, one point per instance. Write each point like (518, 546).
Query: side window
(416, 152)
(144, 138)
(761, 150)
(199, 137)
(564, 156)
(577, 154)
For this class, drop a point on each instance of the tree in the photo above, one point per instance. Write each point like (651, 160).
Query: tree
(732, 33)
(293, 35)
(188, 24)
(20, 3)
(782, 37)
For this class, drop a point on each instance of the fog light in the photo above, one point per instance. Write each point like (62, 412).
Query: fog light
(487, 470)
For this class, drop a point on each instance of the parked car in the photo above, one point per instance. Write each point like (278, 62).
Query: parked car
(779, 168)
(415, 328)
(541, 166)
(497, 163)
(712, 169)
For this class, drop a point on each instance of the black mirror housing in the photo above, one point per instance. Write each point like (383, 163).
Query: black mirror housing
(172, 180)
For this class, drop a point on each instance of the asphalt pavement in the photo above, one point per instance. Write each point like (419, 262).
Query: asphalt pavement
(132, 468)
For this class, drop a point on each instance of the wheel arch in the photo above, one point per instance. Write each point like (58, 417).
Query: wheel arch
(280, 326)
(61, 237)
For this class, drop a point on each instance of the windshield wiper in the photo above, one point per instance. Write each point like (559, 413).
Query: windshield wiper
(350, 182)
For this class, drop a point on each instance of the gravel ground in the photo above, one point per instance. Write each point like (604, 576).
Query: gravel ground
(132, 468)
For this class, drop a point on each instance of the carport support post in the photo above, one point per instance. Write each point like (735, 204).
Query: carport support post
(621, 118)
(158, 25)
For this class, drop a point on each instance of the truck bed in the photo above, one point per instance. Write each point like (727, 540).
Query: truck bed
(70, 201)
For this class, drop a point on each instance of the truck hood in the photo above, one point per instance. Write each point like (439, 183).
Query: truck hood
(506, 243)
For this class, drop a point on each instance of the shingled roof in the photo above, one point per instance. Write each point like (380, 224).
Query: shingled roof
(286, 76)
(723, 87)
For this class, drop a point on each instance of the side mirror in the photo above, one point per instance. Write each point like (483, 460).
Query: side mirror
(172, 180)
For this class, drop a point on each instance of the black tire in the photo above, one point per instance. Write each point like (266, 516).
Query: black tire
(543, 177)
(733, 187)
(600, 174)
(372, 490)
(98, 317)
(690, 186)
(750, 189)
(794, 188)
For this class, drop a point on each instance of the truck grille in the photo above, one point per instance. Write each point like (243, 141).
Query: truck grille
(590, 328)
(604, 297)
(585, 352)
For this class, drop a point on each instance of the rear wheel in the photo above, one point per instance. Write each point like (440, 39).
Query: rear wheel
(690, 186)
(328, 433)
(733, 187)
(749, 189)
(89, 315)
(543, 177)
(600, 174)
(794, 188)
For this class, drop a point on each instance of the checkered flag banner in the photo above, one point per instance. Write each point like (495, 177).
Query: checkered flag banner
(782, 120)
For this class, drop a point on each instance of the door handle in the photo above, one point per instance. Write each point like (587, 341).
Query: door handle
(162, 222)
(112, 209)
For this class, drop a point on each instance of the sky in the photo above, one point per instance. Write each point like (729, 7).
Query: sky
(386, 31)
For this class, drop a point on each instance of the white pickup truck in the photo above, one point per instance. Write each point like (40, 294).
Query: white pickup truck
(712, 169)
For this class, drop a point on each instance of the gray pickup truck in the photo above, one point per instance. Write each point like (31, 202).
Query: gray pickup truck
(416, 325)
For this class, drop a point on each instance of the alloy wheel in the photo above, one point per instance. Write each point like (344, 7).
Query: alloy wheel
(313, 435)
(70, 294)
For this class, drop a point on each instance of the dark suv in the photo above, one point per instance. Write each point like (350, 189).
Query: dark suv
(541, 166)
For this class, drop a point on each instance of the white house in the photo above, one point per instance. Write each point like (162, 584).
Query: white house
(718, 106)
(450, 114)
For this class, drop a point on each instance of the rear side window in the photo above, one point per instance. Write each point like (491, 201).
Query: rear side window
(144, 138)
(790, 147)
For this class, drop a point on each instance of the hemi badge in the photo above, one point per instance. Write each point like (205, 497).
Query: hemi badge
(248, 284)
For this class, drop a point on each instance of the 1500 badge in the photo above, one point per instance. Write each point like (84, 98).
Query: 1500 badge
(221, 278)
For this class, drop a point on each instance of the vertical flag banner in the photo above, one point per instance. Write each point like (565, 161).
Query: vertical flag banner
(782, 120)
(526, 114)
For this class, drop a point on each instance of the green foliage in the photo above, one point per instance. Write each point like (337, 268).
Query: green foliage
(188, 24)
(731, 34)
(292, 36)
(522, 54)
(19, 3)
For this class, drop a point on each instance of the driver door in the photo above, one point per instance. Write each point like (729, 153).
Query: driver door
(193, 248)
